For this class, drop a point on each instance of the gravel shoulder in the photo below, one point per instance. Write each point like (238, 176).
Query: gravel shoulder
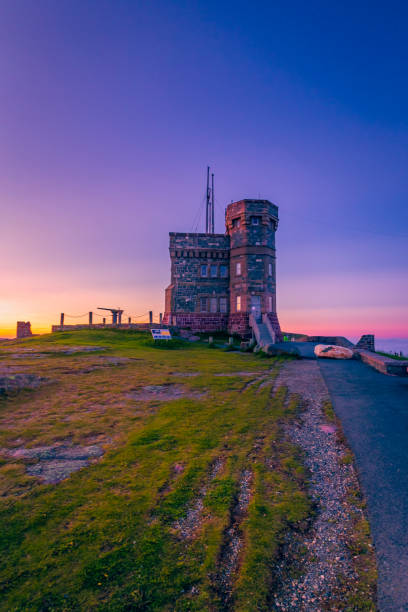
(317, 570)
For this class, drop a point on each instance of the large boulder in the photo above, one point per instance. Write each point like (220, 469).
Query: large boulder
(332, 351)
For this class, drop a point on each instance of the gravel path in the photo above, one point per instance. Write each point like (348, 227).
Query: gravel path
(313, 567)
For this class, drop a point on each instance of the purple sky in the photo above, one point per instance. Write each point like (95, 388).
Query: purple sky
(111, 110)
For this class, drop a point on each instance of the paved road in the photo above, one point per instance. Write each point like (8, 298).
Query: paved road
(373, 409)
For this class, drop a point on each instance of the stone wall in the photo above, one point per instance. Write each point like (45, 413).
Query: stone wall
(198, 294)
(385, 365)
(336, 340)
(366, 342)
(273, 318)
(200, 322)
(239, 324)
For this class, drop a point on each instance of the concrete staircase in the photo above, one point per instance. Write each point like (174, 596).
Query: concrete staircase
(263, 331)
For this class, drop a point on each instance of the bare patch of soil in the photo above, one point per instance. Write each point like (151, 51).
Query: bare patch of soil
(162, 393)
(263, 378)
(254, 374)
(34, 353)
(102, 362)
(185, 374)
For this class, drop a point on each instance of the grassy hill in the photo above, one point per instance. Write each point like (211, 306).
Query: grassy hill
(186, 487)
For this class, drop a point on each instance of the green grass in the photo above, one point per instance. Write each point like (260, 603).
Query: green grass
(105, 538)
(391, 356)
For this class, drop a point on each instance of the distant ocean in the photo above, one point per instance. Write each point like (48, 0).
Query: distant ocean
(389, 345)
(392, 345)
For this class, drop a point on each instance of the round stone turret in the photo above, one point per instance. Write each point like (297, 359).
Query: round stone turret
(251, 227)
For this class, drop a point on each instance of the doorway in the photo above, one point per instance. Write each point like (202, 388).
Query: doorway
(256, 307)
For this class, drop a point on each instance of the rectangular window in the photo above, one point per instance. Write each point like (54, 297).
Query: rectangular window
(203, 304)
(223, 271)
(213, 304)
(214, 271)
(238, 303)
(238, 269)
(255, 220)
(269, 303)
(270, 269)
(223, 304)
(236, 222)
(203, 271)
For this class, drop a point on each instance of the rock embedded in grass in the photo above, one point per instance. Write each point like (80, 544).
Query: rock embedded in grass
(13, 383)
(55, 463)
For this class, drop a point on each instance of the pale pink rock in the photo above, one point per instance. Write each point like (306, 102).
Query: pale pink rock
(332, 351)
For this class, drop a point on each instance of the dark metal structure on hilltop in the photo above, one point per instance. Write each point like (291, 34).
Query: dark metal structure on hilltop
(226, 282)
(116, 314)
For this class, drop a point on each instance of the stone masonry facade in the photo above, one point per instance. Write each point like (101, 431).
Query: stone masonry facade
(219, 280)
(24, 329)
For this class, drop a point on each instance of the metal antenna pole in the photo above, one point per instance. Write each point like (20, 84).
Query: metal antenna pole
(207, 210)
(212, 203)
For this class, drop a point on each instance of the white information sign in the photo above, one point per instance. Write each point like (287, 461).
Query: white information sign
(161, 334)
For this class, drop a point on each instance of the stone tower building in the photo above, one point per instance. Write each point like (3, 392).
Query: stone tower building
(225, 282)
(23, 329)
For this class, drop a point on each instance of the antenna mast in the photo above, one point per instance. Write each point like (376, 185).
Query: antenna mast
(209, 210)
(212, 203)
